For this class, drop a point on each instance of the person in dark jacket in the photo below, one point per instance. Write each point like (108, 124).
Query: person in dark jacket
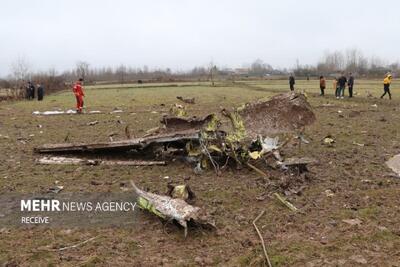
(342, 85)
(28, 91)
(40, 92)
(291, 82)
(32, 89)
(350, 84)
(322, 85)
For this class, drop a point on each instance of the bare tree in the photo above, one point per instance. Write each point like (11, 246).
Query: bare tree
(82, 69)
(121, 73)
(20, 69)
(212, 70)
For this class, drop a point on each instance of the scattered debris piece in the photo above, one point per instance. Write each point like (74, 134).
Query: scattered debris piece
(178, 110)
(269, 144)
(394, 164)
(374, 105)
(91, 123)
(80, 161)
(329, 140)
(187, 100)
(77, 244)
(328, 105)
(181, 191)
(169, 208)
(329, 193)
(298, 164)
(67, 112)
(302, 138)
(358, 144)
(261, 238)
(4, 136)
(285, 202)
(352, 221)
(56, 189)
(116, 111)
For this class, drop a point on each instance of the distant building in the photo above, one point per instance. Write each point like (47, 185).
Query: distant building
(242, 71)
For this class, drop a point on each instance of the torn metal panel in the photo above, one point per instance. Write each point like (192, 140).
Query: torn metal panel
(283, 113)
(394, 164)
(298, 161)
(174, 123)
(136, 143)
(80, 161)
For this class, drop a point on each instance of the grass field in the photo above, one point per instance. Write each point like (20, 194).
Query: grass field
(349, 182)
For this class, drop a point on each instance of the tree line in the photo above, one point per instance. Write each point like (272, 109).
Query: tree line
(330, 64)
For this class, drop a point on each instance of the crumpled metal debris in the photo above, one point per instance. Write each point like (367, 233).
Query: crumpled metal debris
(186, 100)
(394, 164)
(289, 112)
(168, 208)
(178, 110)
(329, 140)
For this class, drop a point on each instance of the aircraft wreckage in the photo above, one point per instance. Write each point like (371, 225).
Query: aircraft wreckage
(238, 135)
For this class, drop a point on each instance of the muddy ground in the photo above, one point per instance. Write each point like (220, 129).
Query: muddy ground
(350, 181)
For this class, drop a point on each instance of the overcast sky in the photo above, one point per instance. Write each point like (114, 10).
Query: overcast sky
(181, 34)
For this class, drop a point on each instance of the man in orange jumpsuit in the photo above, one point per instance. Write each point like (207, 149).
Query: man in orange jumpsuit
(78, 91)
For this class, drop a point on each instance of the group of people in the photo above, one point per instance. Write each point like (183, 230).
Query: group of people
(339, 85)
(30, 91)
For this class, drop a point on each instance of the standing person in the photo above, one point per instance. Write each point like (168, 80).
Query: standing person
(32, 90)
(350, 84)
(386, 85)
(28, 90)
(336, 87)
(40, 92)
(78, 91)
(322, 85)
(342, 85)
(291, 82)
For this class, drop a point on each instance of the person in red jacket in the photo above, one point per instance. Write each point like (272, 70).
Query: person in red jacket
(78, 92)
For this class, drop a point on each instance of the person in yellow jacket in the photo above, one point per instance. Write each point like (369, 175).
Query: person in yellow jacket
(386, 85)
